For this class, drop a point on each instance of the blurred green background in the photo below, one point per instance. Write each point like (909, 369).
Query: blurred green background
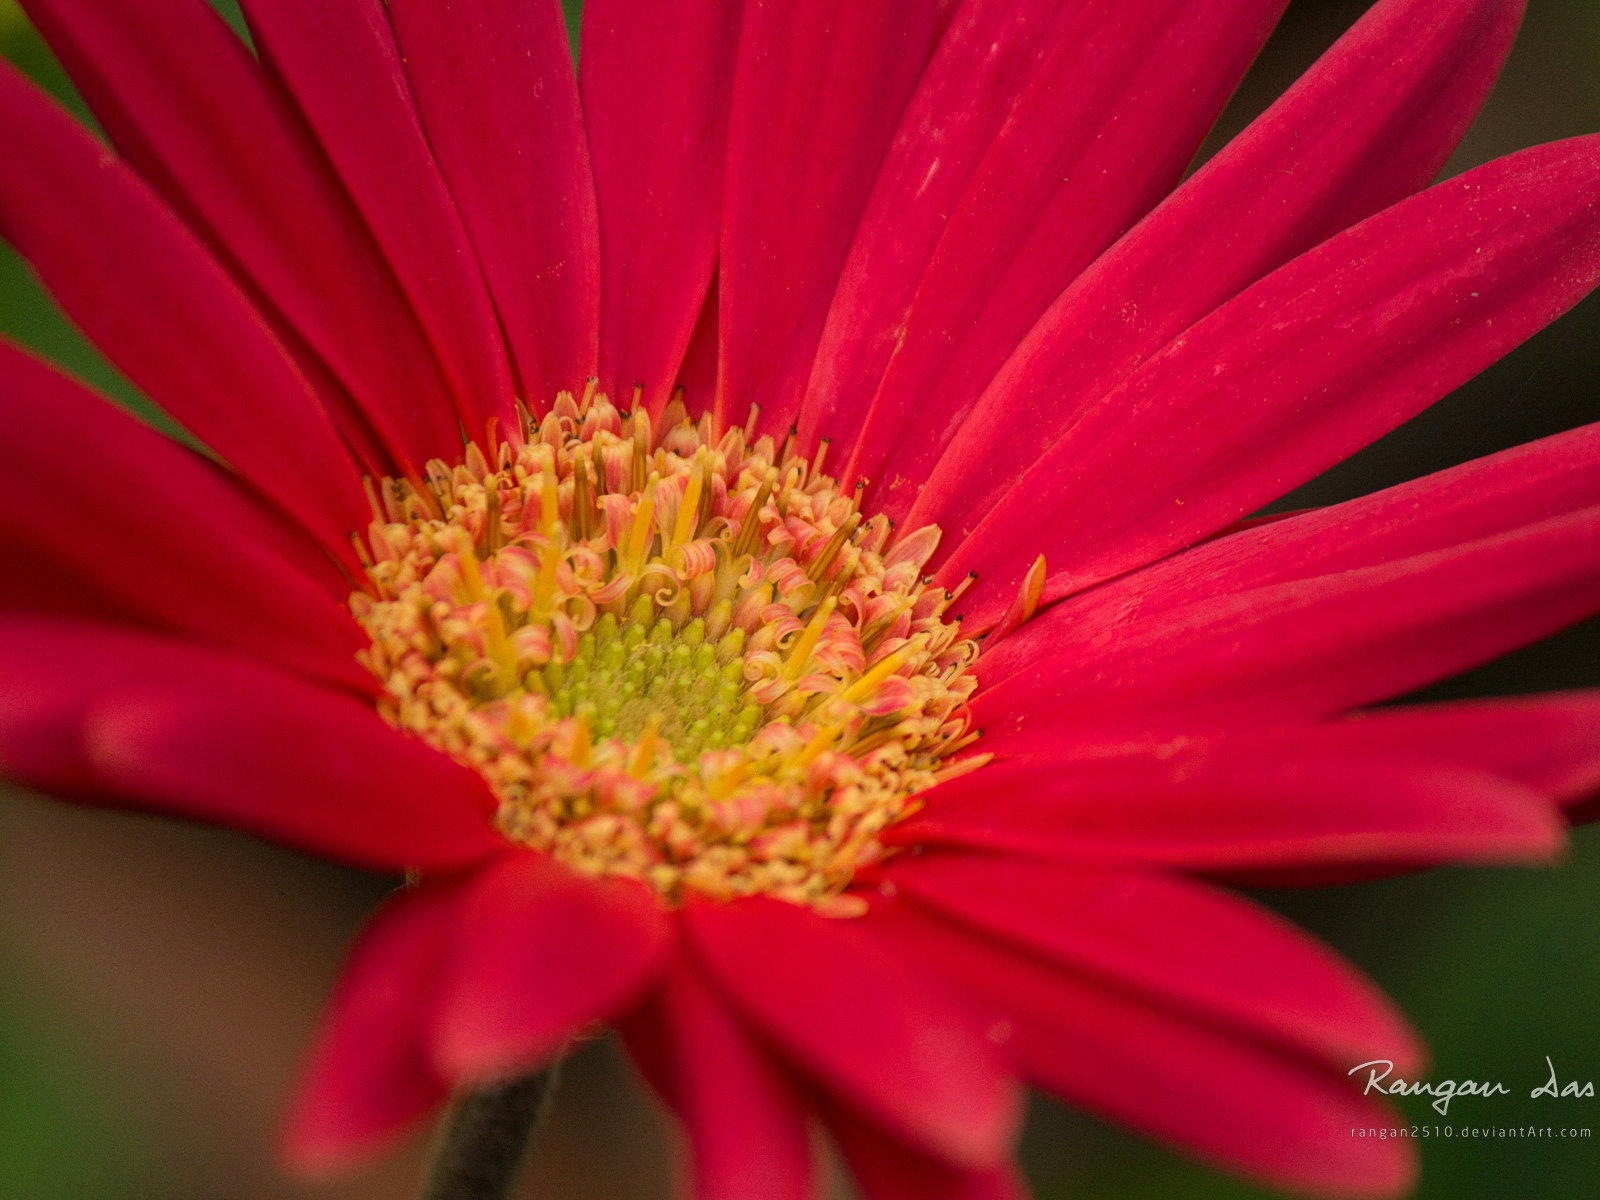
(157, 981)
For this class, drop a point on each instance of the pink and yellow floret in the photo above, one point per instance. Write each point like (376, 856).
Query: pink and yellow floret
(684, 658)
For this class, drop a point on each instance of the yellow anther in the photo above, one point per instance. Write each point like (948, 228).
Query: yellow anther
(642, 531)
(544, 588)
(822, 740)
(750, 529)
(549, 502)
(723, 784)
(819, 568)
(581, 744)
(800, 655)
(866, 687)
(683, 528)
(644, 751)
(471, 572)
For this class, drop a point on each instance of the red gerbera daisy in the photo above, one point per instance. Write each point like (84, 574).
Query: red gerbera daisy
(757, 530)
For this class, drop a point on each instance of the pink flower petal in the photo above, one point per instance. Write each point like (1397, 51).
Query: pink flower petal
(861, 1023)
(1223, 1097)
(1369, 124)
(1483, 498)
(817, 91)
(991, 51)
(495, 86)
(127, 271)
(1177, 942)
(701, 364)
(154, 534)
(340, 65)
(542, 953)
(369, 1078)
(144, 722)
(1303, 369)
(883, 1169)
(1239, 803)
(1309, 648)
(1550, 743)
(1094, 138)
(190, 109)
(656, 81)
(745, 1120)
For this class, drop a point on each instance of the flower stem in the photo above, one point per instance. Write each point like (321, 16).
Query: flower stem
(485, 1138)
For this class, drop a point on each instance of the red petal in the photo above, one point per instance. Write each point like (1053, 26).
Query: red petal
(1094, 138)
(145, 722)
(1309, 648)
(745, 1121)
(369, 1078)
(341, 66)
(885, 1170)
(494, 84)
(817, 91)
(656, 81)
(1302, 370)
(992, 50)
(1239, 804)
(1225, 1098)
(698, 376)
(1490, 496)
(127, 271)
(543, 953)
(1369, 124)
(861, 1023)
(1550, 742)
(152, 533)
(187, 105)
(1179, 943)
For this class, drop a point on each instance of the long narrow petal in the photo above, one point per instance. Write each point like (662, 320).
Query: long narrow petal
(340, 64)
(817, 91)
(1486, 497)
(886, 1170)
(1550, 742)
(1226, 1098)
(992, 50)
(1234, 805)
(656, 82)
(190, 109)
(369, 1078)
(860, 1023)
(140, 285)
(1174, 941)
(1099, 135)
(1371, 123)
(495, 87)
(745, 1119)
(139, 721)
(1316, 647)
(1306, 367)
(698, 376)
(544, 952)
(154, 533)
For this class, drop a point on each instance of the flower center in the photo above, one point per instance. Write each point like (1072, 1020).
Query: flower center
(686, 660)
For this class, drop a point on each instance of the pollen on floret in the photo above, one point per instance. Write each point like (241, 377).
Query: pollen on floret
(683, 658)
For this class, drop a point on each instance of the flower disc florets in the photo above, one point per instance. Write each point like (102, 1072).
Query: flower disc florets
(685, 659)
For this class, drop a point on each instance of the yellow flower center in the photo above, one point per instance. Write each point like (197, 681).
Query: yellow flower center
(684, 659)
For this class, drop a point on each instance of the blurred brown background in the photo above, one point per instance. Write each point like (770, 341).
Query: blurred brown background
(158, 981)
